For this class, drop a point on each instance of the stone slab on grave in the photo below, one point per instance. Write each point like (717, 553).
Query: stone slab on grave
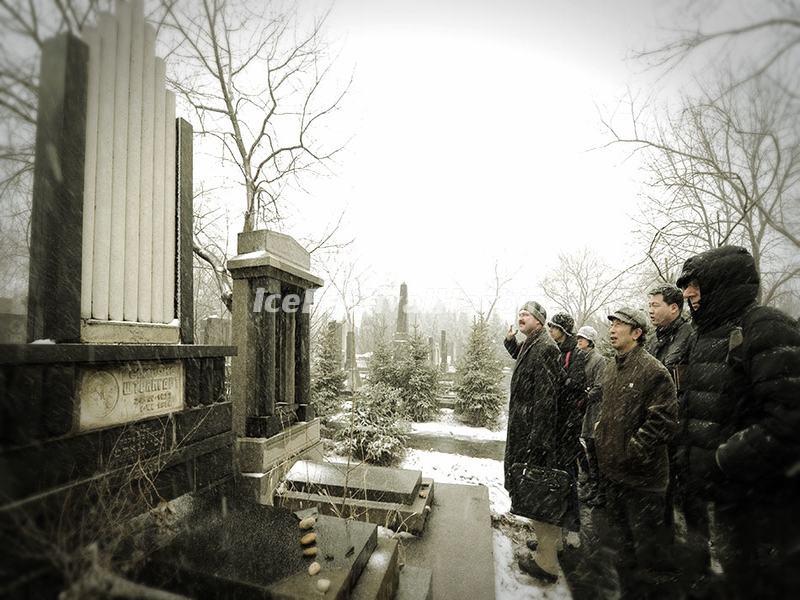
(237, 549)
(356, 481)
(409, 518)
(416, 583)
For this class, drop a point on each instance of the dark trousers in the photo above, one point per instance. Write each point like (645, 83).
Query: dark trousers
(631, 526)
(691, 549)
(757, 543)
(670, 496)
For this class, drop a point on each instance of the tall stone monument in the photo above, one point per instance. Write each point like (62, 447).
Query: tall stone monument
(443, 352)
(111, 387)
(401, 330)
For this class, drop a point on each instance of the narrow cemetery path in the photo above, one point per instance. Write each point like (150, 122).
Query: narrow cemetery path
(451, 452)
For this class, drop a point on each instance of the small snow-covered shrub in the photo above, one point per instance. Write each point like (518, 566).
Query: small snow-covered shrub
(374, 433)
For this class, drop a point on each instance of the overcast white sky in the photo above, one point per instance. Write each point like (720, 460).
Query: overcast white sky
(472, 126)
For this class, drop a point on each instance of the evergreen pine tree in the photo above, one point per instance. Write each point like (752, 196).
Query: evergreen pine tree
(478, 377)
(420, 381)
(404, 367)
(382, 368)
(327, 378)
(375, 433)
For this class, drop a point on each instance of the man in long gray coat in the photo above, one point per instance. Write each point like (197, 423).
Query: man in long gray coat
(532, 437)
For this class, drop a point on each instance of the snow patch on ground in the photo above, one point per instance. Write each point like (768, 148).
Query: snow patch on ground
(449, 425)
(454, 468)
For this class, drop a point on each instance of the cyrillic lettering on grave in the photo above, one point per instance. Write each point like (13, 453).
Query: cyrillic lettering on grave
(121, 394)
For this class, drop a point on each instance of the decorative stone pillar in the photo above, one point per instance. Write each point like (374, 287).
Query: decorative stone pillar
(270, 378)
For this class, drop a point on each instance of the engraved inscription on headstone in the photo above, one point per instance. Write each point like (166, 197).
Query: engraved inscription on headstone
(114, 395)
(138, 443)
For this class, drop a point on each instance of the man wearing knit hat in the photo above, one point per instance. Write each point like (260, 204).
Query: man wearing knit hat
(531, 437)
(572, 392)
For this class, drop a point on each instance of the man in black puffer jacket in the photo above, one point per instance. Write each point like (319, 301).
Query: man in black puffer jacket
(740, 443)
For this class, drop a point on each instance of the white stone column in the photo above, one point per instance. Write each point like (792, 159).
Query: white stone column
(146, 195)
(170, 203)
(104, 175)
(131, 300)
(157, 218)
(116, 289)
(92, 38)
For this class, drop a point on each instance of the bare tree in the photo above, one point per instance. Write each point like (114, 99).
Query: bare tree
(349, 281)
(258, 87)
(499, 281)
(775, 35)
(582, 285)
(724, 169)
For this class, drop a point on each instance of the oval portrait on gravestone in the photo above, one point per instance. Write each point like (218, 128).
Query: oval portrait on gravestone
(102, 393)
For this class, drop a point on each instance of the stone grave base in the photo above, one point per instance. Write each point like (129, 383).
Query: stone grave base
(263, 462)
(399, 499)
(393, 515)
(237, 549)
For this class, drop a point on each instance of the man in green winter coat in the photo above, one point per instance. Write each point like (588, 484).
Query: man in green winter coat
(638, 416)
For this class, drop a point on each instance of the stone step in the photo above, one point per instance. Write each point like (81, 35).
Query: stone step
(259, 455)
(416, 583)
(395, 516)
(355, 480)
(458, 544)
(238, 549)
(379, 578)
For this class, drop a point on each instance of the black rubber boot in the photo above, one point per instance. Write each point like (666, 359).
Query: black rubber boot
(528, 565)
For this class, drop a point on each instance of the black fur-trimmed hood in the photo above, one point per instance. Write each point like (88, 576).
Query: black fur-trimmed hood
(728, 282)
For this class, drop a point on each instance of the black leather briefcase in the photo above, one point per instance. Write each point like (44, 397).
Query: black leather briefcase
(546, 495)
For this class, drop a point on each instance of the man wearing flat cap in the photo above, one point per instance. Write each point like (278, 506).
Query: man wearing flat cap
(638, 416)
(532, 437)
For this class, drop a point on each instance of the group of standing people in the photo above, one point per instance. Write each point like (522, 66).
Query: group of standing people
(687, 438)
